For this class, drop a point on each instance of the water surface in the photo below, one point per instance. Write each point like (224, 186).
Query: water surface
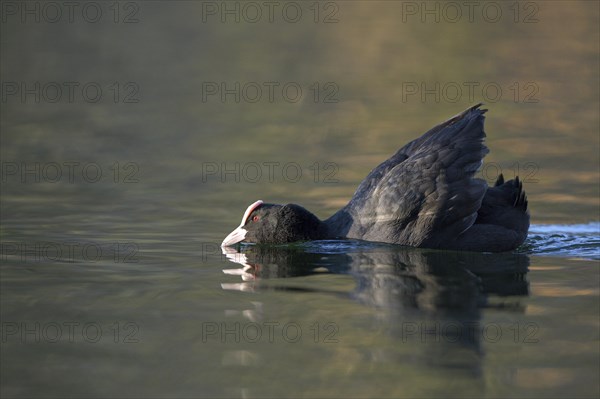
(112, 281)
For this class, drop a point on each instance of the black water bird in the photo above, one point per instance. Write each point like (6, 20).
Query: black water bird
(425, 195)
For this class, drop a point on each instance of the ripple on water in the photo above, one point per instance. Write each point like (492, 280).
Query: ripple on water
(572, 240)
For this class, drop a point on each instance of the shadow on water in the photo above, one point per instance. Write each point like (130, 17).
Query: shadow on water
(419, 296)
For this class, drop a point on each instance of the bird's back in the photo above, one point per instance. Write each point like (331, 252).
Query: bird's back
(426, 195)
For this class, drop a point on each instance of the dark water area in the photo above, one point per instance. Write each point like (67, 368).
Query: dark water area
(130, 147)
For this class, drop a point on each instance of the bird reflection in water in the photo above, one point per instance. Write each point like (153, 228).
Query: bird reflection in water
(388, 276)
(418, 295)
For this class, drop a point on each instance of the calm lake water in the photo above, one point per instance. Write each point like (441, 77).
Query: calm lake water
(135, 134)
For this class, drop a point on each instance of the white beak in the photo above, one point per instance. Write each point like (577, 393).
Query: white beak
(239, 234)
(234, 237)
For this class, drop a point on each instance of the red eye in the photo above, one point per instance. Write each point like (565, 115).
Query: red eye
(255, 218)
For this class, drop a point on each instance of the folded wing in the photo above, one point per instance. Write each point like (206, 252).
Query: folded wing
(426, 193)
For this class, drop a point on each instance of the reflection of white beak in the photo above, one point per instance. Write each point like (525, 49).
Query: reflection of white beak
(236, 257)
(234, 237)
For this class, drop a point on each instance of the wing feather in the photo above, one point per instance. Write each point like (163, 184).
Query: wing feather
(426, 193)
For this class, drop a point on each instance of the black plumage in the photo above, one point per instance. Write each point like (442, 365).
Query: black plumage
(425, 195)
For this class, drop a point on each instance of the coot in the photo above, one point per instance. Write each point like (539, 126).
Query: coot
(425, 195)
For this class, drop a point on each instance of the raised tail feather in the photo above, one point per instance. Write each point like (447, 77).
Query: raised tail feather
(519, 198)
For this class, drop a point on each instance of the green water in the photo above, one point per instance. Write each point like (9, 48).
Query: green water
(113, 205)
